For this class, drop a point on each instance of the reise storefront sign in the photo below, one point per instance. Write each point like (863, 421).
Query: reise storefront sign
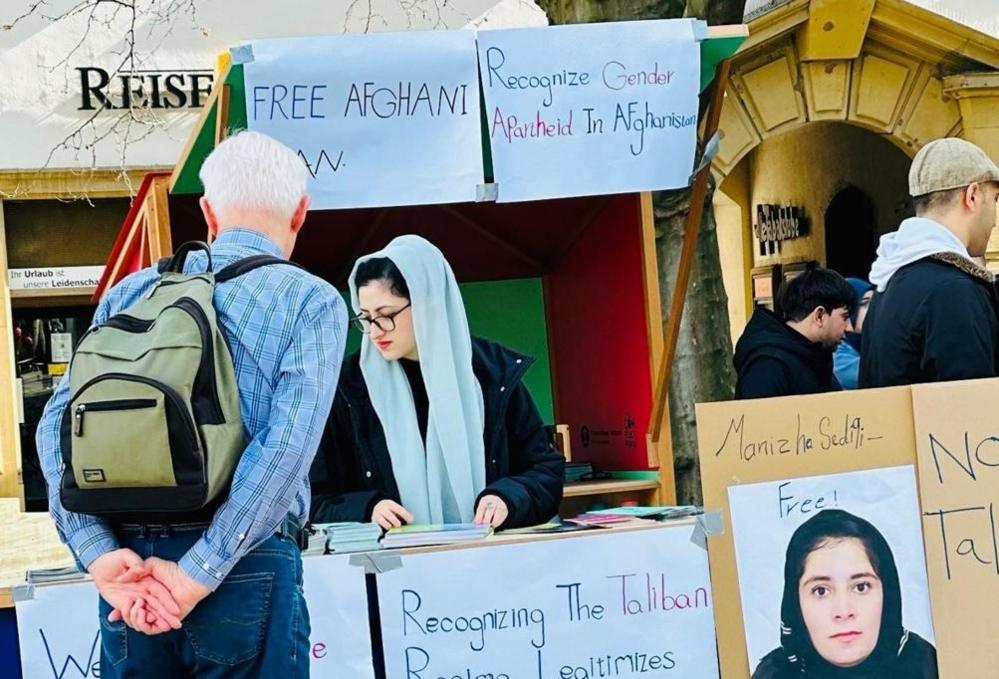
(63, 104)
(154, 89)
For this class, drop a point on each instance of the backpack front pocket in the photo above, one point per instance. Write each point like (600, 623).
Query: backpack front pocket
(130, 432)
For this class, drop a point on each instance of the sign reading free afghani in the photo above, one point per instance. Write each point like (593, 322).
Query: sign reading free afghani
(591, 109)
(379, 119)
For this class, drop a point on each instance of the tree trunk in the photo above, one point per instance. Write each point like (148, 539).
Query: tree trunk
(702, 370)
(703, 367)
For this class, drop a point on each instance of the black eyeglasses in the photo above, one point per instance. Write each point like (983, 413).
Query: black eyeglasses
(385, 323)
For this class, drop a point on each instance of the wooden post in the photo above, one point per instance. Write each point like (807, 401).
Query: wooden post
(157, 218)
(222, 117)
(698, 195)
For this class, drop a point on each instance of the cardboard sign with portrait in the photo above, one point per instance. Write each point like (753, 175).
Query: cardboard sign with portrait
(812, 512)
(832, 573)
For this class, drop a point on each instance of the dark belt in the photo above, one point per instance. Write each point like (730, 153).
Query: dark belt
(289, 528)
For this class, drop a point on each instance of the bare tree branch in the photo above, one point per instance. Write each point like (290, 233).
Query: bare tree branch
(135, 123)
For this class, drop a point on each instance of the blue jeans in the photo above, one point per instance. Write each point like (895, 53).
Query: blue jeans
(255, 624)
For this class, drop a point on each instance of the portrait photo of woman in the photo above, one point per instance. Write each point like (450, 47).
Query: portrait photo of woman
(842, 607)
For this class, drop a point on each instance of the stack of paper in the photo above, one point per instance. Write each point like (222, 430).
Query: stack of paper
(41, 576)
(420, 535)
(606, 517)
(601, 519)
(658, 513)
(574, 471)
(549, 528)
(352, 537)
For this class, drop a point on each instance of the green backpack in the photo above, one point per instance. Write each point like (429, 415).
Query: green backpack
(153, 430)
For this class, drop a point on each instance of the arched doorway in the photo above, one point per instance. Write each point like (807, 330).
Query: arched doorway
(851, 233)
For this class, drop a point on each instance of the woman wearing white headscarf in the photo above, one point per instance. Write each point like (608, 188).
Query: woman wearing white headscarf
(430, 425)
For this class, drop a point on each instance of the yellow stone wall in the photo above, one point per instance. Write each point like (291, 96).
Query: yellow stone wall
(887, 73)
(732, 215)
(809, 165)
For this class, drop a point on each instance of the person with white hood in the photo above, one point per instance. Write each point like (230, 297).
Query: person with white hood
(933, 317)
(430, 425)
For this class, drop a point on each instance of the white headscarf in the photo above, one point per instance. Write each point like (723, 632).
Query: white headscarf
(439, 482)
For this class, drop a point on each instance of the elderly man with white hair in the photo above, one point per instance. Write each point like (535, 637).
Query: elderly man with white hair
(223, 596)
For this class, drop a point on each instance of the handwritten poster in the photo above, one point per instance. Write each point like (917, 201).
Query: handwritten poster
(591, 109)
(781, 439)
(803, 520)
(958, 461)
(59, 637)
(338, 610)
(58, 632)
(604, 605)
(379, 119)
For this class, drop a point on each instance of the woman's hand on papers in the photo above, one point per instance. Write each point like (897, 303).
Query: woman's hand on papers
(389, 514)
(491, 510)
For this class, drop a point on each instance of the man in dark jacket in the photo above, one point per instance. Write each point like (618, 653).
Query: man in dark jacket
(793, 353)
(933, 317)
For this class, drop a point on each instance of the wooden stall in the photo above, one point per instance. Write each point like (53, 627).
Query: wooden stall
(563, 280)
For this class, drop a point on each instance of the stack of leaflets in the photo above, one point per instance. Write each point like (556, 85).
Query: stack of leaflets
(352, 537)
(575, 471)
(44, 576)
(605, 517)
(601, 518)
(658, 513)
(420, 535)
(549, 528)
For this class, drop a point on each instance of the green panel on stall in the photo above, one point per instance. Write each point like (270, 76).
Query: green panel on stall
(188, 181)
(513, 314)
(237, 98)
(713, 52)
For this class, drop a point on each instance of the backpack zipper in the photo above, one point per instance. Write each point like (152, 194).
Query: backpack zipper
(206, 368)
(106, 406)
(128, 323)
(167, 390)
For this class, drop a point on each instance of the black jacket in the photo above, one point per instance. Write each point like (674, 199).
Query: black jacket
(773, 359)
(935, 322)
(917, 659)
(353, 471)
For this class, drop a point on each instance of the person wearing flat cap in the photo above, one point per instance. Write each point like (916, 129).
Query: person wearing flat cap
(933, 317)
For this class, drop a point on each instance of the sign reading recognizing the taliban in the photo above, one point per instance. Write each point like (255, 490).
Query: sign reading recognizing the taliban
(591, 109)
(629, 604)
(379, 119)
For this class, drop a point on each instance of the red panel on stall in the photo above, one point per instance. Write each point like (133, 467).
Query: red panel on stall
(599, 342)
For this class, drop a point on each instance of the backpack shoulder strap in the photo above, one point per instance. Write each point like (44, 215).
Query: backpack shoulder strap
(176, 262)
(243, 266)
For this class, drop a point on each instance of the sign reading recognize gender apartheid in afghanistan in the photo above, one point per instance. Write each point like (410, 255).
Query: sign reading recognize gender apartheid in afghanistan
(591, 109)
(780, 478)
(59, 632)
(622, 604)
(379, 119)
(957, 440)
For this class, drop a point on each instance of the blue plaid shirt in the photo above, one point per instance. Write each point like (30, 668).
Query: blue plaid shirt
(286, 331)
